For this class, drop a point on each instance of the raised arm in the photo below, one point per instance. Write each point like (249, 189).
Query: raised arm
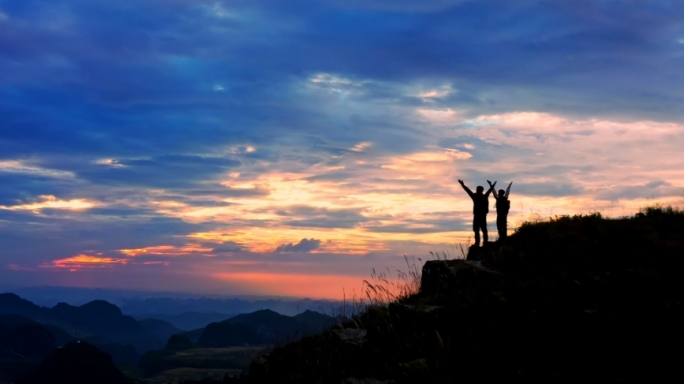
(491, 188)
(508, 190)
(470, 193)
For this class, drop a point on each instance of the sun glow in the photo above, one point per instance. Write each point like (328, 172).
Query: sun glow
(51, 202)
(315, 286)
(363, 203)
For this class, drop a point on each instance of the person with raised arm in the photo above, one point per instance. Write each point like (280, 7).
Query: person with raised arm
(503, 205)
(480, 210)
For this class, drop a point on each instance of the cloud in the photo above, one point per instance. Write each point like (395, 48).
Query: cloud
(139, 126)
(305, 245)
(227, 247)
(75, 263)
(51, 202)
(307, 216)
(556, 189)
(169, 171)
(168, 250)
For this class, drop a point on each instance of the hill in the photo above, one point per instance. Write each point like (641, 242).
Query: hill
(12, 304)
(263, 327)
(229, 344)
(573, 299)
(77, 362)
(191, 320)
(98, 322)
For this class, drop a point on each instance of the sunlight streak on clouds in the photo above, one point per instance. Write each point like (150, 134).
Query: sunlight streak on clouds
(168, 250)
(209, 136)
(436, 93)
(14, 166)
(51, 202)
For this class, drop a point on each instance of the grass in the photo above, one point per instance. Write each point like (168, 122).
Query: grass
(566, 294)
(179, 375)
(176, 364)
(384, 287)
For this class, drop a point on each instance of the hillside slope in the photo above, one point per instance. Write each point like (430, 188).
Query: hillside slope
(574, 299)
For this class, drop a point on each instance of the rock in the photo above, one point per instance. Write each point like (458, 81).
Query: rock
(486, 252)
(458, 277)
(415, 367)
(367, 380)
(354, 336)
(415, 313)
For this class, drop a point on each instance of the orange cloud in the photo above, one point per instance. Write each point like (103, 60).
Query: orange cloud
(77, 262)
(167, 250)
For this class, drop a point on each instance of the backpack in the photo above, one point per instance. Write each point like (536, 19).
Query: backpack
(503, 206)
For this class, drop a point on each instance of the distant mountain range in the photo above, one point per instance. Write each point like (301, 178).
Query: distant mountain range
(31, 331)
(189, 320)
(98, 321)
(142, 304)
(259, 328)
(266, 326)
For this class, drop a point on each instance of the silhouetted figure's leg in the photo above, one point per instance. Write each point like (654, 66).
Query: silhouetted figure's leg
(501, 226)
(480, 224)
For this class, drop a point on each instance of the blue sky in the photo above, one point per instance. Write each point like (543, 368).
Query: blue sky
(269, 147)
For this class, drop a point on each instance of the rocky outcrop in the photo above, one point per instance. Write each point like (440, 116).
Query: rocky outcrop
(570, 300)
(440, 275)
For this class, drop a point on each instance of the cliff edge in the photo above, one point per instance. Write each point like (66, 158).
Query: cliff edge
(573, 299)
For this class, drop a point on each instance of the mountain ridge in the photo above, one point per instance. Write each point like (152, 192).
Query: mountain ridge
(575, 299)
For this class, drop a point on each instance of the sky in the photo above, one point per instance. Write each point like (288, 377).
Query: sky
(289, 148)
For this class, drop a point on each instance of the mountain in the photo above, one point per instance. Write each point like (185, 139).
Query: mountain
(571, 300)
(178, 343)
(77, 363)
(263, 327)
(153, 307)
(160, 329)
(13, 304)
(315, 322)
(227, 335)
(13, 320)
(121, 353)
(61, 336)
(270, 324)
(26, 341)
(98, 321)
(103, 323)
(191, 320)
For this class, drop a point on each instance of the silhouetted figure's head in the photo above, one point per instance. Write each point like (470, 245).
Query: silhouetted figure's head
(502, 193)
(479, 189)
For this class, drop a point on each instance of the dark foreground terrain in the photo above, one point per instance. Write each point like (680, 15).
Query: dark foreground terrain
(573, 300)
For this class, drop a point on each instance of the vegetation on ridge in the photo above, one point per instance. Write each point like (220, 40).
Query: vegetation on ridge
(573, 299)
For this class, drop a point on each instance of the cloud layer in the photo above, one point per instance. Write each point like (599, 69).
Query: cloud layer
(226, 143)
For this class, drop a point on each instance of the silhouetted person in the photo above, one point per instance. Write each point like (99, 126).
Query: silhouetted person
(503, 205)
(480, 210)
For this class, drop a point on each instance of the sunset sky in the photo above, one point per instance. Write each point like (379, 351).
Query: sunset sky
(276, 147)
